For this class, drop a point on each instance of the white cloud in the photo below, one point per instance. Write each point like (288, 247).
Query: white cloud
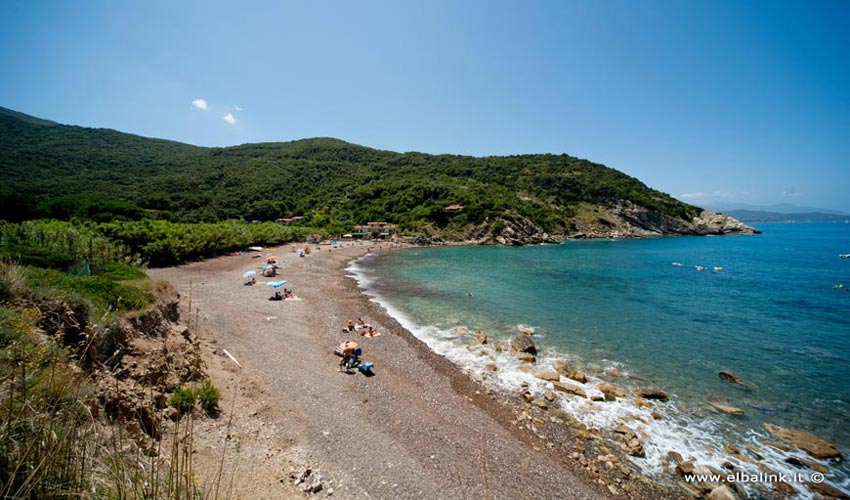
(200, 104)
(237, 108)
(229, 118)
(698, 194)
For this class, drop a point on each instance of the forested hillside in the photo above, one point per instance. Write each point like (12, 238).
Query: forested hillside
(60, 171)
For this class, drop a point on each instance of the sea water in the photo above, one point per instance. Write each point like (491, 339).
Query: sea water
(663, 312)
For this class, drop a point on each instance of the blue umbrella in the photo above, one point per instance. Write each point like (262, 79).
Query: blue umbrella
(277, 284)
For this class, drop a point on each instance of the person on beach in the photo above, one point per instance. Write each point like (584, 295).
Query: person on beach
(253, 281)
(348, 349)
(276, 296)
(349, 327)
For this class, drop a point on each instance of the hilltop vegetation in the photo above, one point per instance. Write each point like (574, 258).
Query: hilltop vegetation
(59, 171)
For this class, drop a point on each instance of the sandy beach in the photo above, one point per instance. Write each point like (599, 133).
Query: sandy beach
(418, 428)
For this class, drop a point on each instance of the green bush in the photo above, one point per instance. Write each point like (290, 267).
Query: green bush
(183, 399)
(208, 397)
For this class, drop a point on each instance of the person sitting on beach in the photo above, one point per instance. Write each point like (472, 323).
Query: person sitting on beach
(253, 280)
(360, 322)
(348, 349)
(349, 327)
(276, 296)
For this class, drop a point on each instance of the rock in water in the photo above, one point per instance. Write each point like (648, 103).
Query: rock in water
(827, 490)
(526, 358)
(522, 343)
(806, 441)
(733, 377)
(652, 393)
(731, 410)
(633, 445)
(569, 388)
(548, 375)
(611, 392)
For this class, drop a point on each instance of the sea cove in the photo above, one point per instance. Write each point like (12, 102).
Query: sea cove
(770, 308)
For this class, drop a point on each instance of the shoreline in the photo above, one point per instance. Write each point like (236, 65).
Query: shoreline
(759, 455)
(424, 427)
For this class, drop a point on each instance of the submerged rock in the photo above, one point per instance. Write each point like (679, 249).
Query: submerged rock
(806, 441)
(730, 410)
(652, 393)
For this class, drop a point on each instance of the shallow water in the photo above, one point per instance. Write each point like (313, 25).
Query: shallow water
(772, 314)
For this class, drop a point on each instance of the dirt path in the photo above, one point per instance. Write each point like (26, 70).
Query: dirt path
(417, 429)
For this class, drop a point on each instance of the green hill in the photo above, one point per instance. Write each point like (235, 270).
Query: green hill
(62, 171)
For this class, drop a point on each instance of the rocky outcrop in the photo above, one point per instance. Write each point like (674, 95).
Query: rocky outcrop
(568, 371)
(652, 393)
(569, 389)
(611, 392)
(631, 442)
(806, 441)
(523, 343)
(620, 219)
(548, 375)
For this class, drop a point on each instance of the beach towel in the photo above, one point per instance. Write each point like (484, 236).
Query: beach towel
(277, 284)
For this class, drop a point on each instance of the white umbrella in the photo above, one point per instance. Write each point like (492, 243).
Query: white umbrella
(249, 274)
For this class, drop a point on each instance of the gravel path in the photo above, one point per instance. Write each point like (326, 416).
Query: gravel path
(417, 429)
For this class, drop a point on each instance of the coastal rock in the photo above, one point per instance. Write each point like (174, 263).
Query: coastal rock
(522, 343)
(734, 378)
(568, 371)
(722, 493)
(540, 403)
(730, 410)
(632, 444)
(778, 485)
(526, 330)
(526, 358)
(611, 392)
(816, 466)
(806, 441)
(569, 388)
(548, 375)
(491, 367)
(652, 393)
(827, 490)
(685, 468)
(779, 446)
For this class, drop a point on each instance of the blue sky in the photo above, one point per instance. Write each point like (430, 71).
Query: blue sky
(708, 101)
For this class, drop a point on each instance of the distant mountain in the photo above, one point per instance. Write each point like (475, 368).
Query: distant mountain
(66, 171)
(781, 208)
(763, 216)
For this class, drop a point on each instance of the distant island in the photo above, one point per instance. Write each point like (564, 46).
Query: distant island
(766, 216)
(62, 172)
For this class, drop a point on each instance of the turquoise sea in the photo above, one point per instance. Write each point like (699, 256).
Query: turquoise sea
(768, 307)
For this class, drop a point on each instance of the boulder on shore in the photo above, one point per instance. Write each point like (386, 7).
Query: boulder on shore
(526, 358)
(632, 444)
(652, 393)
(568, 371)
(806, 441)
(548, 375)
(569, 388)
(611, 392)
(522, 343)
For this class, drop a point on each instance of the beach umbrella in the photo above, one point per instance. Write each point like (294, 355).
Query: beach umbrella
(255, 249)
(249, 274)
(267, 267)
